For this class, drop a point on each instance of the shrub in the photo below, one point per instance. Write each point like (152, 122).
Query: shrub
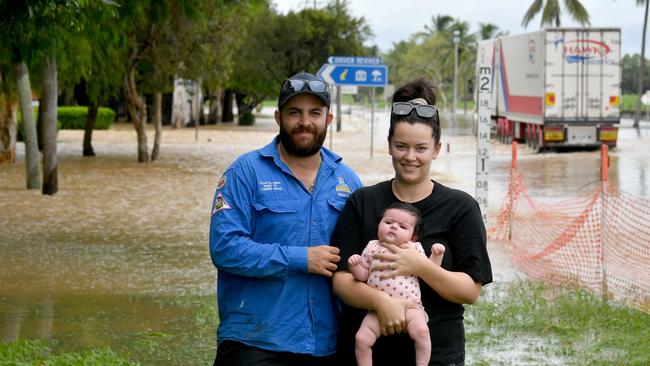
(74, 118)
(246, 119)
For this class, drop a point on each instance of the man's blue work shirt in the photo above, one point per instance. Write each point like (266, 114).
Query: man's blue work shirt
(263, 220)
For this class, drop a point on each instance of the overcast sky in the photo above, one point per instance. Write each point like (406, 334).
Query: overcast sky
(392, 21)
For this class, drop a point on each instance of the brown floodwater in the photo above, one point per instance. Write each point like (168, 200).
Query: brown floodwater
(105, 260)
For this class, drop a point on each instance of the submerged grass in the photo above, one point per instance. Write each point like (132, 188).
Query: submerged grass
(188, 338)
(534, 324)
(516, 323)
(37, 352)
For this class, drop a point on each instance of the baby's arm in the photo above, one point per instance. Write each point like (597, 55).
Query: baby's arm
(358, 270)
(437, 252)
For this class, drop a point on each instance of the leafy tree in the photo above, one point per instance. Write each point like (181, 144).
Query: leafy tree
(43, 35)
(141, 22)
(278, 46)
(551, 12)
(14, 35)
(224, 33)
(630, 65)
(430, 54)
(57, 25)
(103, 75)
(164, 39)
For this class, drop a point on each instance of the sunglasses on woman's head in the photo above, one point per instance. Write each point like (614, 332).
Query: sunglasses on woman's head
(422, 110)
(316, 86)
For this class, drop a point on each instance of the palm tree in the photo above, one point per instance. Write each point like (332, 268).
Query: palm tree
(637, 114)
(439, 24)
(551, 12)
(488, 31)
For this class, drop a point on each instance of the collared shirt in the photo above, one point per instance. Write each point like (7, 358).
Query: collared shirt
(263, 220)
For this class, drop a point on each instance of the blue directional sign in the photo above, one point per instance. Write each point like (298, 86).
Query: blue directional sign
(359, 75)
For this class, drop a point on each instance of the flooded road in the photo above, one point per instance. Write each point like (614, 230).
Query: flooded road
(119, 257)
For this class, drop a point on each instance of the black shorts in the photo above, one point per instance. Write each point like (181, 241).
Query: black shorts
(233, 353)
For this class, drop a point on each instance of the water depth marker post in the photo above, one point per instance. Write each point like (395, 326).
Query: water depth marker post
(484, 89)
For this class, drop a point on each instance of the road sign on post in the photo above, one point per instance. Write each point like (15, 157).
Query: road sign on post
(359, 75)
(645, 98)
(356, 71)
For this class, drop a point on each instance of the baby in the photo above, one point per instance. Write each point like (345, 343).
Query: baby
(399, 225)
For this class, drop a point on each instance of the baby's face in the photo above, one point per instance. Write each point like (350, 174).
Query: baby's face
(396, 226)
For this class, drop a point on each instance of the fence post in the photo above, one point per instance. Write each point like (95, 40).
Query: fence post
(604, 165)
(513, 166)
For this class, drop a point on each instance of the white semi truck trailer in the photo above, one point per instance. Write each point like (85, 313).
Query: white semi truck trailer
(556, 87)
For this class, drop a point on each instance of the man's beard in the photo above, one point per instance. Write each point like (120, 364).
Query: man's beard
(305, 149)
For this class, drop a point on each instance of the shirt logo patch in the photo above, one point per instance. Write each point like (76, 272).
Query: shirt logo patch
(222, 182)
(342, 188)
(220, 204)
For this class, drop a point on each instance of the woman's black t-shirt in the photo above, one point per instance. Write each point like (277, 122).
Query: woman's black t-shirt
(450, 217)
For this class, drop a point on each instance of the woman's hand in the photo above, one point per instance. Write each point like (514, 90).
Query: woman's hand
(391, 314)
(398, 261)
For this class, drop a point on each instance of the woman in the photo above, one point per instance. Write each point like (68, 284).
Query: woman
(450, 217)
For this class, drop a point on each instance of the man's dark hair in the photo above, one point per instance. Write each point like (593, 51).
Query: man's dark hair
(411, 210)
(419, 88)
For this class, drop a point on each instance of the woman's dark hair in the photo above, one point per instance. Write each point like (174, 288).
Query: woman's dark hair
(411, 210)
(419, 88)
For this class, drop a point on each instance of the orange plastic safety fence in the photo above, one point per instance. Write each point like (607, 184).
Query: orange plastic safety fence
(600, 241)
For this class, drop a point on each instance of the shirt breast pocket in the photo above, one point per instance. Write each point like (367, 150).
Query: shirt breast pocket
(277, 220)
(335, 207)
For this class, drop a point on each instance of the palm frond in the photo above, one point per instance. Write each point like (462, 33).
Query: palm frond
(577, 11)
(551, 14)
(535, 7)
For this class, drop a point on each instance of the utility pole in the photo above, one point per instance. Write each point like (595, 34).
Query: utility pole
(455, 39)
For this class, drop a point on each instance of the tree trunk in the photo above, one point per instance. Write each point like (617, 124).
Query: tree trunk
(214, 116)
(93, 107)
(179, 102)
(244, 110)
(196, 108)
(157, 106)
(39, 127)
(48, 111)
(138, 113)
(637, 113)
(29, 125)
(8, 125)
(228, 115)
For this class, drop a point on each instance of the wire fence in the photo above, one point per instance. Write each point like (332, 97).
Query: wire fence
(599, 241)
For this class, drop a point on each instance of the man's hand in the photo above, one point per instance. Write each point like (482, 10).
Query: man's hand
(323, 259)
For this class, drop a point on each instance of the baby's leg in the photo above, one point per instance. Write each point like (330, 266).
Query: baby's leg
(437, 251)
(366, 337)
(416, 325)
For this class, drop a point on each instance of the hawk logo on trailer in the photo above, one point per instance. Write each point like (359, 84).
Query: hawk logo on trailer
(586, 51)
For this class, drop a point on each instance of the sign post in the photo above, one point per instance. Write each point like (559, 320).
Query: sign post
(645, 99)
(484, 88)
(355, 71)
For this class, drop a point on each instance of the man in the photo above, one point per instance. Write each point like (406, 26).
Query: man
(273, 214)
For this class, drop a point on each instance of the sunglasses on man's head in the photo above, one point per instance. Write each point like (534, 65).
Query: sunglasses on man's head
(422, 110)
(316, 86)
